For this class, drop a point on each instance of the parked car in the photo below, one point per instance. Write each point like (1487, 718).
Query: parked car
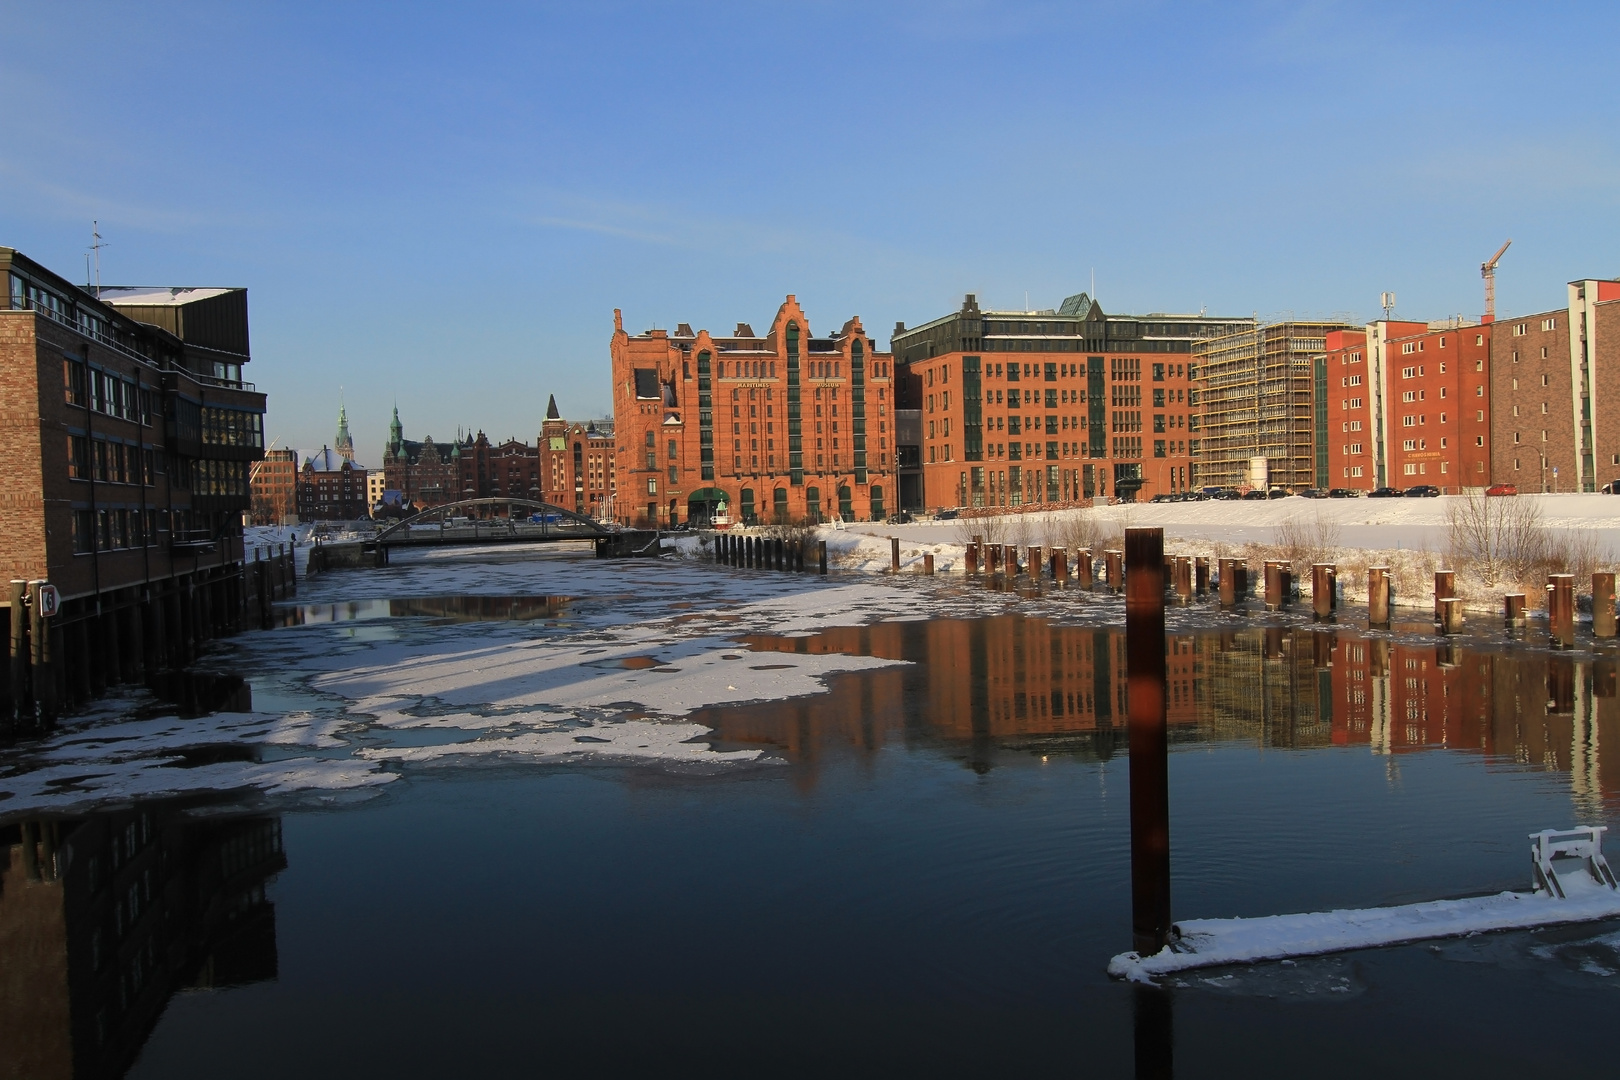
(1278, 493)
(1384, 493)
(947, 514)
(1611, 488)
(1313, 493)
(1343, 493)
(1163, 497)
(1506, 489)
(1423, 491)
(1226, 494)
(1255, 495)
(899, 518)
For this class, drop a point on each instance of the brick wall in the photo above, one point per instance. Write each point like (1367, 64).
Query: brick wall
(1530, 372)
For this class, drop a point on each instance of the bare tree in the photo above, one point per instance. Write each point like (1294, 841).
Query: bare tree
(1500, 537)
(1306, 540)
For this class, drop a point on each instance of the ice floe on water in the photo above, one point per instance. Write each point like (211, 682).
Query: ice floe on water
(347, 706)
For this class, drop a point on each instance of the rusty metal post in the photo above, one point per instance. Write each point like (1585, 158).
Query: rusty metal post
(1561, 608)
(1060, 564)
(1445, 587)
(992, 559)
(1153, 1026)
(894, 554)
(1378, 595)
(1322, 650)
(1010, 560)
(971, 560)
(1285, 584)
(1201, 576)
(1451, 615)
(42, 657)
(1149, 740)
(1324, 598)
(821, 556)
(1084, 568)
(1184, 579)
(1273, 571)
(1603, 616)
(1114, 568)
(1228, 582)
(928, 562)
(1033, 561)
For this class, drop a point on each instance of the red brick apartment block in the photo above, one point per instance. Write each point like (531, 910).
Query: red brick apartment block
(1055, 406)
(782, 426)
(1409, 403)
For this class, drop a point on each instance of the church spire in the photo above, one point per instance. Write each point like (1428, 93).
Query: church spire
(344, 444)
(551, 409)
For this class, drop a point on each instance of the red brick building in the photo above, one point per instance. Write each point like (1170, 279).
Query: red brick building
(274, 488)
(1055, 406)
(1552, 374)
(779, 426)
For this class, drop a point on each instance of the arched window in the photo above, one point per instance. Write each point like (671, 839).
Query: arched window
(812, 503)
(846, 503)
(779, 505)
(877, 502)
(747, 506)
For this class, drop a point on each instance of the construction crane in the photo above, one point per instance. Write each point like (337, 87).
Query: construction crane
(1487, 270)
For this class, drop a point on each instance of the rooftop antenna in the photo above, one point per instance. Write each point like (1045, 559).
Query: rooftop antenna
(1386, 301)
(95, 246)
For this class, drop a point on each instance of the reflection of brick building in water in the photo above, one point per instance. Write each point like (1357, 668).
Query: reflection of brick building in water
(104, 918)
(1023, 683)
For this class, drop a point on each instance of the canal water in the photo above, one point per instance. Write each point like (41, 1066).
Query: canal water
(924, 870)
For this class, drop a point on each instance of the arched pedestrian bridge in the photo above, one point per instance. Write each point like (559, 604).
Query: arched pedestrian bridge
(492, 521)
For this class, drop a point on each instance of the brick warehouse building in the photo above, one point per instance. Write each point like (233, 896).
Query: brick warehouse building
(128, 438)
(1409, 403)
(332, 488)
(1055, 406)
(787, 426)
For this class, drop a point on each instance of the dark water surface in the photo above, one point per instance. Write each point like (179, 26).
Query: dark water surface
(930, 882)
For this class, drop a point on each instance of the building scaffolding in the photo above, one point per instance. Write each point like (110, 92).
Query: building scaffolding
(1259, 396)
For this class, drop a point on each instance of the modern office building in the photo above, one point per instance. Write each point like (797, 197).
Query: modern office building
(1056, 406)
(780, 426)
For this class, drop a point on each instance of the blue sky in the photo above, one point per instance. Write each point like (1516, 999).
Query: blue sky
(443, 204)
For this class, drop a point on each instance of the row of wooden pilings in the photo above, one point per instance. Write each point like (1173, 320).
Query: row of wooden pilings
(130, 635)
(1188, 577)
(771, 553)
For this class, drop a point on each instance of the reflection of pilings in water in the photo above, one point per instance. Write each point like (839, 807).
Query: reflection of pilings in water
(1584, 781)
(1379, 741)
(1153, 1021)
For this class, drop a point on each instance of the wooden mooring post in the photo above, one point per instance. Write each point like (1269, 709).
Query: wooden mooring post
(1229, 583)
(1201, 576)
(970, 560)
(42, 657)
(1513, 609)
(17, 672)
(894, 554)
(1032, 560)
(1149, 739)
(821, 557)
(1060, 564)
(928, 563)
(1114, 569)
(1085, 568)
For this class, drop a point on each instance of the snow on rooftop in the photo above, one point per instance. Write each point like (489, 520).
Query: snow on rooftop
(151, 296)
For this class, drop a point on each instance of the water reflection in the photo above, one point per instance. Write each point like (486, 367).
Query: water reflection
(450, 608)
(1020, 682)
(103, 918)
